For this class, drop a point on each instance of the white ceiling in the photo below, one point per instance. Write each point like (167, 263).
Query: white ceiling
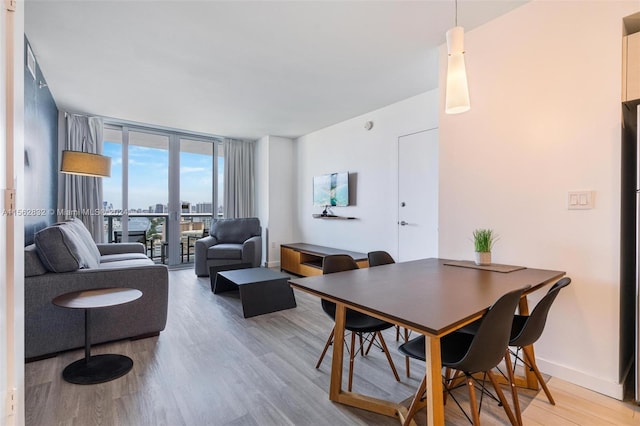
(242, 68)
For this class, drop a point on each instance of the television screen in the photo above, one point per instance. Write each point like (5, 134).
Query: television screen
(331, 189)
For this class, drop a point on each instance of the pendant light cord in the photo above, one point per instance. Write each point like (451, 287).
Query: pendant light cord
(456, 12)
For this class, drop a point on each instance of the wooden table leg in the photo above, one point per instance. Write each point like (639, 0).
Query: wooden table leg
(530, 377)
(335, 387)
(337, 394)
(435, 401)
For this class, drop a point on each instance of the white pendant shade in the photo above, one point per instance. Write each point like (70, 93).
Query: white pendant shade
(457, 94)
(85, 164)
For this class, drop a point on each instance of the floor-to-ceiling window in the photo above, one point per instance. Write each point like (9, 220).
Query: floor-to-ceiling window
(162, 189)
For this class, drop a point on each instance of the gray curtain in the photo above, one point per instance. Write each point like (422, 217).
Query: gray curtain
(83, 194)
(239, 178)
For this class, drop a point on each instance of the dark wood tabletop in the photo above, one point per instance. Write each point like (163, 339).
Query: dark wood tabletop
(425, 295)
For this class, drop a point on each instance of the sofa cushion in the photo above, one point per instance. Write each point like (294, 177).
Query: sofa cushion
(120, 248)
(32, 264)
(129, 263)
(235, 230)
(225, 251)
(61, 249)
(85, 236)
(107, 258)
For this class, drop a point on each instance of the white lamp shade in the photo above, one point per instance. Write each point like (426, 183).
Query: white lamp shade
(457, 94)
(455, 40)
(85, 164)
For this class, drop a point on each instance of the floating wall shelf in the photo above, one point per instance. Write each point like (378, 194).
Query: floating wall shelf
(319, 216)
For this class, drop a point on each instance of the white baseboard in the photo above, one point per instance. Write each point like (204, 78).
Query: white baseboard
(580, 378)
(272, 264)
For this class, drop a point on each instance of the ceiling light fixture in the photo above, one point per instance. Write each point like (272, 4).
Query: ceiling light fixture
(457, 94)
(85, 164)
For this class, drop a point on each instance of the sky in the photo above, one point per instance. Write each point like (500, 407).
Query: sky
(149, 177)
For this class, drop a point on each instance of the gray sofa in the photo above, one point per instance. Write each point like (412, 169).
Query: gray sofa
(231, 243)
(63, 259)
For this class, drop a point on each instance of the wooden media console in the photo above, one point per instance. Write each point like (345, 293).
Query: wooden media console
(306, 259)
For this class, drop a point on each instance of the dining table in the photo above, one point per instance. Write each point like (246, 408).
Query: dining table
(433, 297)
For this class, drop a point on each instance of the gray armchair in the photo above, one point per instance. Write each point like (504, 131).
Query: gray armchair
(231, 243)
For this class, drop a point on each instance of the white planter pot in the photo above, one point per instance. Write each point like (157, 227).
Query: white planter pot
(483, 258)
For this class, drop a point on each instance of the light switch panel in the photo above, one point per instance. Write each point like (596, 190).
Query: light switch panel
(580, 200)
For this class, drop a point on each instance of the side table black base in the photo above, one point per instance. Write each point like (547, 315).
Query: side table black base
(99, 369)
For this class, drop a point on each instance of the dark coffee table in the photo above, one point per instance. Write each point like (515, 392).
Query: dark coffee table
(262, 290)
(98, 368)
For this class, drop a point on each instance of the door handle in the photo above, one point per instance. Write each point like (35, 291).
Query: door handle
(403, 223)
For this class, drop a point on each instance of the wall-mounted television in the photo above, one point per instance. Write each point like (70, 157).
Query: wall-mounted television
(331, 189)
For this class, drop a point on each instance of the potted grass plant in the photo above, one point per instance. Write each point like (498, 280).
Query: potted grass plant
(483, 240)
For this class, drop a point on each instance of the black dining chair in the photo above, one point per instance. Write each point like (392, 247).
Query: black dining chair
(362, 325)
(472, 353)
(378, 258)
(525, 331)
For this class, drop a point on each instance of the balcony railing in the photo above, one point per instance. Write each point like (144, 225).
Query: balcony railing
(151, 230)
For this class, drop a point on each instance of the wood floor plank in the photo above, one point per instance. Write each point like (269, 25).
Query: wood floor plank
(211, 366)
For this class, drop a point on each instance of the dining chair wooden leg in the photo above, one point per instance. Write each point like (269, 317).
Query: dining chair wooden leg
(386, 352)
(447, 375)
(398, 333)
(503, 400)
(531, 360)
(407, 366)
(473, 403)
(458, 377)
(514, 389)
(352, 355)
(362, 345)
(326, 346)
(370, 343)
(416, 403)
(406, 358)
(447, 384)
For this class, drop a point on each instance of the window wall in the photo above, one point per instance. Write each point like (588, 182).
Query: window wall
(162, 189)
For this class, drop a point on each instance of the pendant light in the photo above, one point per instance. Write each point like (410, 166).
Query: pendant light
(457, 93)
(85, 163)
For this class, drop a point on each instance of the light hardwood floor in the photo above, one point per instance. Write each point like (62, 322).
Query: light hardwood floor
(213, 367)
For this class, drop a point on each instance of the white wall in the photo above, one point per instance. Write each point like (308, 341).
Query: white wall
(275, 194)
(282, 198)
(545, 83)
(12, 265)
(372, 157)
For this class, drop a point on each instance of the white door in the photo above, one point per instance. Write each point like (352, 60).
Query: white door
(418, 195)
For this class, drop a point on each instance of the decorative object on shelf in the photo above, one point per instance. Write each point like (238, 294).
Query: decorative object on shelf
(327, 212)
(457, 94)
(483, 240)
